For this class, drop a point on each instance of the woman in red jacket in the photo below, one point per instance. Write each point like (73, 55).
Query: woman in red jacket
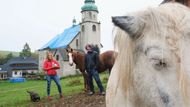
(50, 67)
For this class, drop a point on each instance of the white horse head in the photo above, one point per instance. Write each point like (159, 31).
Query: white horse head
(153, 62)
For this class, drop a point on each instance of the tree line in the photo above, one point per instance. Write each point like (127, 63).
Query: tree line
(26, 52)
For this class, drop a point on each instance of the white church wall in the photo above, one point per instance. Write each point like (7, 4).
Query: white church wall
(88, 35)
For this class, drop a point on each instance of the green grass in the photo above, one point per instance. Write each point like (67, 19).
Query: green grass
(4, 53)
(15, 95)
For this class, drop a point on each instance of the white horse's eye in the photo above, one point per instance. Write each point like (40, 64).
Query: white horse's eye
(158, 64)
(157, 57)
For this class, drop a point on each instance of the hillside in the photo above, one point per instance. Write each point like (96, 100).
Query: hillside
(4, 53)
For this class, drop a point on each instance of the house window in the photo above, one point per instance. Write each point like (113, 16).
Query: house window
(77, 42)
(5, 76)
(15, 73)
(94, 28)
(83, 28)
(57, 57)
(2, 76)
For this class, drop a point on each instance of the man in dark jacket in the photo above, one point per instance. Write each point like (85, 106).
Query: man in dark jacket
(96, 48)
(91, 65)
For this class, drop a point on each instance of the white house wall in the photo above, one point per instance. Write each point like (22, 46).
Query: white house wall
(18, 73)
(31, 71)
(3, 76)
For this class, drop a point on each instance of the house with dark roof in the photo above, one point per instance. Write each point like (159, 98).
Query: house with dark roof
(20, 67)
(75, 36)
(3, 73)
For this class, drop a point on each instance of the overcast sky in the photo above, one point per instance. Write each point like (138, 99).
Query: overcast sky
(38, 21)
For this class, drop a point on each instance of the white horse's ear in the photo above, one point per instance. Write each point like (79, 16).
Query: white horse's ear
(132, 25)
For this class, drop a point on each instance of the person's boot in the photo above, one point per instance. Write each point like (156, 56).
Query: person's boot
(50, 98)
(61, 96)
(90, 93)
(102, 93)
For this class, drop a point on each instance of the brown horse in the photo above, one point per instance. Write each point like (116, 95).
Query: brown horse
(106, 61)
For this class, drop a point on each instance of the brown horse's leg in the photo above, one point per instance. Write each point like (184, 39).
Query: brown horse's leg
(86, 79)
(85, 76)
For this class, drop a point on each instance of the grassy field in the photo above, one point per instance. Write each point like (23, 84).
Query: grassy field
(15, 95)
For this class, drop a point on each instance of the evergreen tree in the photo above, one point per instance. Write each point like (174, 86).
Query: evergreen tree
(26, 51)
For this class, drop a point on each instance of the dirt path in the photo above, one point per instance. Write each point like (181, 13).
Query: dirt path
(77, 100)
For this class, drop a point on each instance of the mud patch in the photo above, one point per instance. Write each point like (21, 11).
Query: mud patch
(77, 100)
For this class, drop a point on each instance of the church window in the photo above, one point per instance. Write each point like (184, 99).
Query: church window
(83, 28)
(77, 42)
(90, 14)
(57, 57)
(94, 28)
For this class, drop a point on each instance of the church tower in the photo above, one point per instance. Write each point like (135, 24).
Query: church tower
(90, 26)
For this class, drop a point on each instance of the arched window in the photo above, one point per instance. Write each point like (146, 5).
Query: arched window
(83, 28)
(57, 57)
(94, 28)
(77, 42)
(90, 14)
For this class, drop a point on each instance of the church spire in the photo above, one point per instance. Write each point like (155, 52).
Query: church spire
(74, 21)
(89, 5)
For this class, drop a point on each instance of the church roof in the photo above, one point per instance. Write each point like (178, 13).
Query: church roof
(63, 39)
(22, 60)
